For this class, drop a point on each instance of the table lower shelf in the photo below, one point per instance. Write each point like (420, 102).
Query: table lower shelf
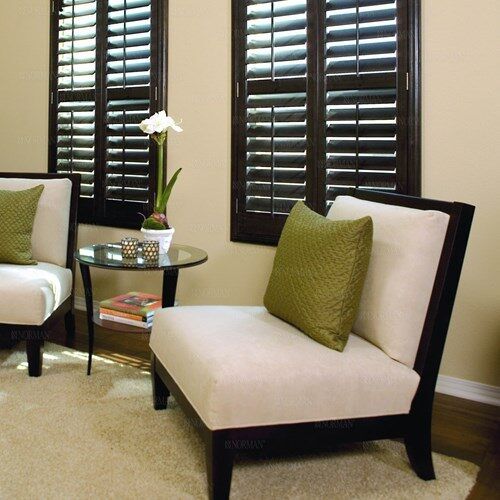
(119, 327)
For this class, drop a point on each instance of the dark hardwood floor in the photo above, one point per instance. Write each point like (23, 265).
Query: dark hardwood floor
(461, 428)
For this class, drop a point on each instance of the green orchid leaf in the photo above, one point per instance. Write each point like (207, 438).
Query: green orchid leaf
(165, 195)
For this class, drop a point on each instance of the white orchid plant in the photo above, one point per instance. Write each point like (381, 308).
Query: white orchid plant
(157, 127)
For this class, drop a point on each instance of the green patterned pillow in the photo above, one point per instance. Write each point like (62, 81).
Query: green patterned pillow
(318, 274)
(17, 214)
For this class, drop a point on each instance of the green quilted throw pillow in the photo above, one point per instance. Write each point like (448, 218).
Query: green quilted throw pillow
(17, 214)
(318, 274)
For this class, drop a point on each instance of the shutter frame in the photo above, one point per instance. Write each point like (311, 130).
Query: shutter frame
(265, 228)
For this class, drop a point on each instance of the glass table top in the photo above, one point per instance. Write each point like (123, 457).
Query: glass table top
(108, 255)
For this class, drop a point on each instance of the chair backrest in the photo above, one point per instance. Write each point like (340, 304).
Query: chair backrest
(54, 229)
(418, 251)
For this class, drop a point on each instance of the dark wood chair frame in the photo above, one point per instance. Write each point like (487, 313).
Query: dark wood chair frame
(414, 428)
(34, 335)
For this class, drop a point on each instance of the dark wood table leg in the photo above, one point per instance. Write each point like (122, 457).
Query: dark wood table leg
(87, 286)
(169, 287)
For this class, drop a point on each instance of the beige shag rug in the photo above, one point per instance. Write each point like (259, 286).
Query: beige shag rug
(66, 435)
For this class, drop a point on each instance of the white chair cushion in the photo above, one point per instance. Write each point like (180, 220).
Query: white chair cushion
(407, 245)
(30, 294)
(49, 241)
(241, 366)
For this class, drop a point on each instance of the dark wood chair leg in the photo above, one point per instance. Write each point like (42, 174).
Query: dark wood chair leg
(219, 457)
(7, 339)
(69, 323)
(160, 390)
(34, 351)
(419, 448)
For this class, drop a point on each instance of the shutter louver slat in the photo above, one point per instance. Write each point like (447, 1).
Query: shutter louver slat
(129, 4)
(76, 2)
(290, 23)
(278, 129)
(286, 39)
(129, 53)
(263, 205)
(351, 4)
(361, 124)
(127, 28)
(281, 145)
(376, 47)
(342, 162)
(287, 175)
(364, 16)
(377, 180)
(280, 8)
(349, 33)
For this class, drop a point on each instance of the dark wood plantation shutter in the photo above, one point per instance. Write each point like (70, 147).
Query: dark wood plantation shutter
(321, 102)
(109, 58)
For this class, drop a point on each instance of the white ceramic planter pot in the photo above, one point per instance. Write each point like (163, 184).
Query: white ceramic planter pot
(163, 236)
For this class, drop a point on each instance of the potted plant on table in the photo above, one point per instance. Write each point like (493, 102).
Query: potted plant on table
(156, 226)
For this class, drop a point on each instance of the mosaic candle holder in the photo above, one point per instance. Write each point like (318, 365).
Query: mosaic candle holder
(130, 248)
(150, 250)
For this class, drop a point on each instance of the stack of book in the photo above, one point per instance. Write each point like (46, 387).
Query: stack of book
(133, 308)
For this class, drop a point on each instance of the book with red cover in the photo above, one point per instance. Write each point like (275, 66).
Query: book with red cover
(136, 303)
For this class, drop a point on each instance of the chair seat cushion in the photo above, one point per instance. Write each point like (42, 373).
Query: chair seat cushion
(30, 294)
(242, 367)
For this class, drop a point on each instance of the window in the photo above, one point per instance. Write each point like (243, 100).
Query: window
(108, 73)
(326, 96)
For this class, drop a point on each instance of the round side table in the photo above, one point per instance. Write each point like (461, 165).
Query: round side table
(108, 256)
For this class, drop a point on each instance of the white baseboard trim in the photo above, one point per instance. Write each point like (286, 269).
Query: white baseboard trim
(452, 386)
(467, 389)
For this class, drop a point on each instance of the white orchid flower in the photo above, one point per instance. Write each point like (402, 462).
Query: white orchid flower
(147, 126)
(159, 123)
(168, 122)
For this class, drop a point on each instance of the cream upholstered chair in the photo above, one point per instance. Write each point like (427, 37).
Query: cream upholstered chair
(34, 297)
(249, 378)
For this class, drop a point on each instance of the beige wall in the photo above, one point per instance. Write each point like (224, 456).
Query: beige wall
(461, 161)
(460, 155)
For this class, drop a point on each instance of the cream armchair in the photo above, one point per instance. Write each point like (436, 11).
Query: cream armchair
(247, 377)
(34, 298)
